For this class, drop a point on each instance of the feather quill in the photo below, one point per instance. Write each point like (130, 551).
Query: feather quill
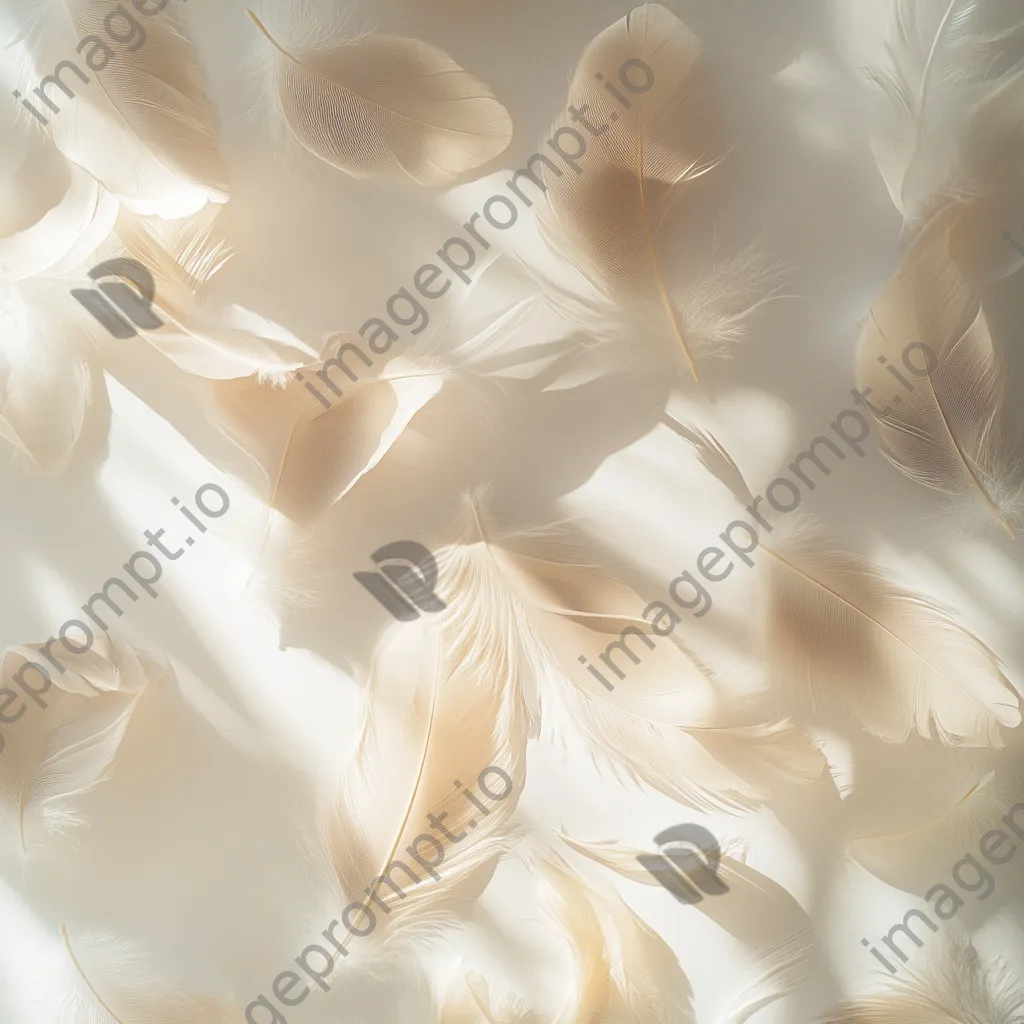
(388, 107)
(943, 432)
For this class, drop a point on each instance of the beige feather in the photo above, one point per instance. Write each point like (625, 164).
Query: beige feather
(944, 433)
(468, 1001)
(199, 334)
(388, 107)
(756, 910)
(839, 631)
(57, 752)
(661, 724)
(311, 457)
(624, 971)
(443, 702)
(109, 984)
(610, 218)
(142, 125)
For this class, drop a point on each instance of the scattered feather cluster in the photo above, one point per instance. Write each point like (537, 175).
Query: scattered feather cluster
(630, 274)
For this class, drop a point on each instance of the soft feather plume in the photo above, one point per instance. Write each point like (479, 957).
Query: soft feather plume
(611, 220)
(839, 631)
(944, 433)
(950, 988)
(142, 125)
(56, 753)
(443, 702)
(111, 985)
(468, 1001)
(673, 737)
(388, 107)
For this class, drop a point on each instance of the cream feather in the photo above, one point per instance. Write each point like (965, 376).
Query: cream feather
(954, 67)
(200, 334)
(109, 984)
(443, 702)
(661, 724)
(57, 752)
(644, 171)
(839, 631)
(142, 125)
(388, 107)
(624, 971)
(951, 988)
(944, 433)
(310, 457)
(468, 1001)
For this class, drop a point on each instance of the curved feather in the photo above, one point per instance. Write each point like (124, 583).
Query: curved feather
(609, 219)
(384, 106)
(142, 125)
(943, 432)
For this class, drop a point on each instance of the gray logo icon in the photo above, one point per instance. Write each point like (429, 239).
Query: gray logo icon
(690, 863)
(132, 304)
(406, 585)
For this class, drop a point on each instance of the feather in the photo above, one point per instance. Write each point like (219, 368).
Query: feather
(119, 990)
(384, 106)
(954, 68)
(444, 701)
(942, 431)
(68, 747)
(950, 988)
(673, 739)
(756, 910)
(610, 220)
(839, 631)
(142, 125)
(468, 1001)
(46, 379)
(200, 335)
(52, 213)
(624, 972)
(311, 457)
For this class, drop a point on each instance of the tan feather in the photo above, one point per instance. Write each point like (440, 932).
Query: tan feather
(839, 631)
(384, 106)
(199, 334)
(624, 972)
(444, 701)
(944, 432)
(661, 724)
(609, 219)
(142, 125)
(57, 752)
(756, 910)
